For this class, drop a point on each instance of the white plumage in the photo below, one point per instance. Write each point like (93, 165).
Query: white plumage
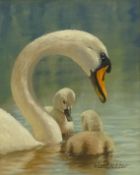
(13, 136)
(62, 100)
(83, 48)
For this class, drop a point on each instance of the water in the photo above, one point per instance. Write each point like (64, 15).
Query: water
(117, 24)
(121, 122)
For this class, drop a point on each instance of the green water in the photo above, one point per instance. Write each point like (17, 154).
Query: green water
(117, 23)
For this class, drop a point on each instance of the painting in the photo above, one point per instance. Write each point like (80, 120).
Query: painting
(23, 24)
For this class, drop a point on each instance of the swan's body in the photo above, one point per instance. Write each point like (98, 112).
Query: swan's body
(61, 110)
(93, 142)
(13, 136)
(84, 49)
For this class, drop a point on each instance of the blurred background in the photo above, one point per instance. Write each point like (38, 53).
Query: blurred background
(117, 24)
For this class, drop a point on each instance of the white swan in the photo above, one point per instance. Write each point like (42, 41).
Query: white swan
(92, 141)
(83, 48)
(61, 110)
(13, 136)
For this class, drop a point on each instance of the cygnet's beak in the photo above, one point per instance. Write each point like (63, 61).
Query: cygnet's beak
(98, 79)
(67, 113)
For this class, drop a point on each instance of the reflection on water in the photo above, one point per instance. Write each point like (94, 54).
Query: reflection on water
(29, 162)
(48, 161)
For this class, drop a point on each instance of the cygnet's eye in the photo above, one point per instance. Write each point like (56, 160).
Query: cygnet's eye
(64, 102)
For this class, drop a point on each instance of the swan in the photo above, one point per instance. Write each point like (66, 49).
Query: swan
(13, 136)
(91, 121)
(92, 141)
(84, 49)
(61, 110)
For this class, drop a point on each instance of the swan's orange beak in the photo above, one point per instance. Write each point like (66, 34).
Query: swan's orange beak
(98, 79)
(100, 87)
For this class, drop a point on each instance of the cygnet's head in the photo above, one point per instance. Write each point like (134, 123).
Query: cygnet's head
(63, 101)
(91, 121)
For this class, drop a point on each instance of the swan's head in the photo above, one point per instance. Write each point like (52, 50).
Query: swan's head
(63, 101)
(91, 121)
(97, 75)
(95, 62)
(91, 54)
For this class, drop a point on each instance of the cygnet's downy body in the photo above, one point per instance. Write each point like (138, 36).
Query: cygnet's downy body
(61, 110)
(92, 141)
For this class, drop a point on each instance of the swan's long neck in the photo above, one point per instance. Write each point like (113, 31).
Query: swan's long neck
(44, 128)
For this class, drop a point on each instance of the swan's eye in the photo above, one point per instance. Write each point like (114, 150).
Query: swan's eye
(103, 56)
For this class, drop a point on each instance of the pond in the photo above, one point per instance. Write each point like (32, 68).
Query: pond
(120, 116)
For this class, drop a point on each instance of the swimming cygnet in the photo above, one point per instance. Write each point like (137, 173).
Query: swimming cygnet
(61, 110)
(92, 141)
